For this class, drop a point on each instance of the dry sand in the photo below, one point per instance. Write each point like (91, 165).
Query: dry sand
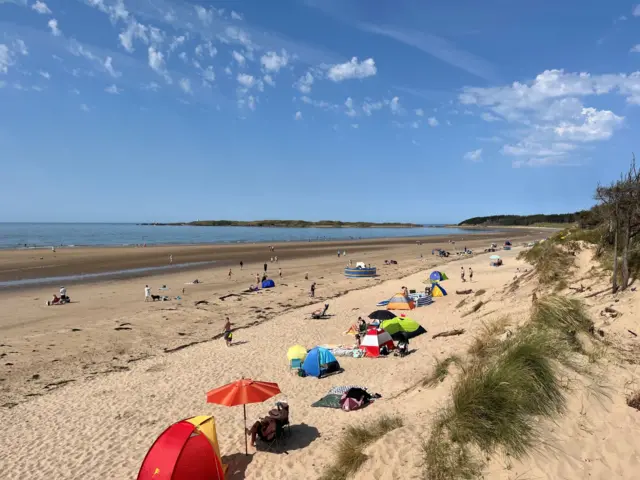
(100, 426)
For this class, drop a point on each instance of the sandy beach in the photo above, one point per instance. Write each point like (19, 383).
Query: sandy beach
(87, 387)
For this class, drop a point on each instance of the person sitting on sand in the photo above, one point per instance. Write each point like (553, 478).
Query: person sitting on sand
(265, 429)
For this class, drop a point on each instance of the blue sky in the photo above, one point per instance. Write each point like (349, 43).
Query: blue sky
(167, 110)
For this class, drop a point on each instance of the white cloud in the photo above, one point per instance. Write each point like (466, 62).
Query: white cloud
(44, 74)
(635, 48)
(298, 116)
(118, 11)
(350, 111)
(636, 11)
(369, 107)
(185, 85)
(238, 57)
(268, 79)
(53, 25)
(352, 69)
(322, 104)
(108, 66)
(183, 56)
(41, 8)
(489, 117)
(208, 74)
(304, 83)
(228, 71)
(245, 80)
(176, 42)
(84, 107)
(208, 46)
(433, 121)
(474, 155)
(133, 30)
(157, 63)
(590, 126)
(235, 15)
(394, 106)
(251, 102)
(6, 59)
(205, 16)
(152, 86)
(113, 89)
(272, 62)
(355, 125)
(420, 112)
(21, 47)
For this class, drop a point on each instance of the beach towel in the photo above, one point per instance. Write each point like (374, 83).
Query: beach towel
(328, 401)
(341, 390)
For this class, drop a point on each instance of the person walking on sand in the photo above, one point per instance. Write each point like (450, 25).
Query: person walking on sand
(280, 272)
(229, 274)
(147, 293)
(276, 258)
(170, 259)
(312, 293)
(462, 274)
(241, 264)
(265, 266)
(470, 275)
(228, 335)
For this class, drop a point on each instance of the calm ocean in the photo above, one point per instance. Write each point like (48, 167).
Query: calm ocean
(44, 235)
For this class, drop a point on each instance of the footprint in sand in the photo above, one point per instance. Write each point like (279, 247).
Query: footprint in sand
(123, 328)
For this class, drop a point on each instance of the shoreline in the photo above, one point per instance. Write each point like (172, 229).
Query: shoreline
(26, 268)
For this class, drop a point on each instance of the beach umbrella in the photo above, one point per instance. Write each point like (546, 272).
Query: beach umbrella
(243, 392)
(494, 257)
(297, 352)
(381, 315)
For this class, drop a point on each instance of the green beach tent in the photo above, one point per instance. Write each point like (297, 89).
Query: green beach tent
(406, 327)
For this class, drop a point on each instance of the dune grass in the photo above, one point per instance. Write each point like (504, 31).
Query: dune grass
(349, 450)
(440, 371)
(634, 400)
(553, 263)
(510, 383)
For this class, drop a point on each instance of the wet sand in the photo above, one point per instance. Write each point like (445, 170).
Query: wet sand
(17, 265)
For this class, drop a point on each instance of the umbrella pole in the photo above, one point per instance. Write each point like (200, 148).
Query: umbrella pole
(246, 447)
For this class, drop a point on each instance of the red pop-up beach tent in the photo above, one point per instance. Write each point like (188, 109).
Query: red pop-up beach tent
(187, 450)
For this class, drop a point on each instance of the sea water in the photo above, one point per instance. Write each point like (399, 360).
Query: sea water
(46, 235)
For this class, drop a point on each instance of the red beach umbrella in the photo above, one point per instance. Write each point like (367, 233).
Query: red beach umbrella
(242, 392)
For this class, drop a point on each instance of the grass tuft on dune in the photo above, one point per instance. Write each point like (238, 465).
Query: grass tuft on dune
(553, 263)
(509, 384)
(349, 450)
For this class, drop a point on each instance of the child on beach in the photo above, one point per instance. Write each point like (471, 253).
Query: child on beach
(462, 274)
(147, 293)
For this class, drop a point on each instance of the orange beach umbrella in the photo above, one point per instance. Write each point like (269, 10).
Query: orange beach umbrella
(242, 392)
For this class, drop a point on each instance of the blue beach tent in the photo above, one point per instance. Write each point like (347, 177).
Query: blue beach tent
(320, 361)
(268, 283)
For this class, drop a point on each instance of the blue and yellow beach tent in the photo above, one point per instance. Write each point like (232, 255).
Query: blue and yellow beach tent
(438, 276)
(437, 290)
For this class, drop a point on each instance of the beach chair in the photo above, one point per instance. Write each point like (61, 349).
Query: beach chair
(296, 364)
(320, 314)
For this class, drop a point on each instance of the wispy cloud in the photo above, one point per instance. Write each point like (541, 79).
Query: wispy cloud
(437, 47)
(474, 155)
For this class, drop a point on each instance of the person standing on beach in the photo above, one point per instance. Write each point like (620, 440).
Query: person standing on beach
(170, 259)
(313, 290)
(462, 274)
(276, 258)
(241, 264)
(280, 272)
(229, 274)
(228, 335)
(147, 293)
(257, 279)
(265, 266)
(470, 275)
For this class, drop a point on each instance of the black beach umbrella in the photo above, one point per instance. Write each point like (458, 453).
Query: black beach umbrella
(382, 315)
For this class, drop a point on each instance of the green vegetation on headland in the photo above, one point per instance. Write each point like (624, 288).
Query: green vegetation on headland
(286, 224)
(554, 219)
